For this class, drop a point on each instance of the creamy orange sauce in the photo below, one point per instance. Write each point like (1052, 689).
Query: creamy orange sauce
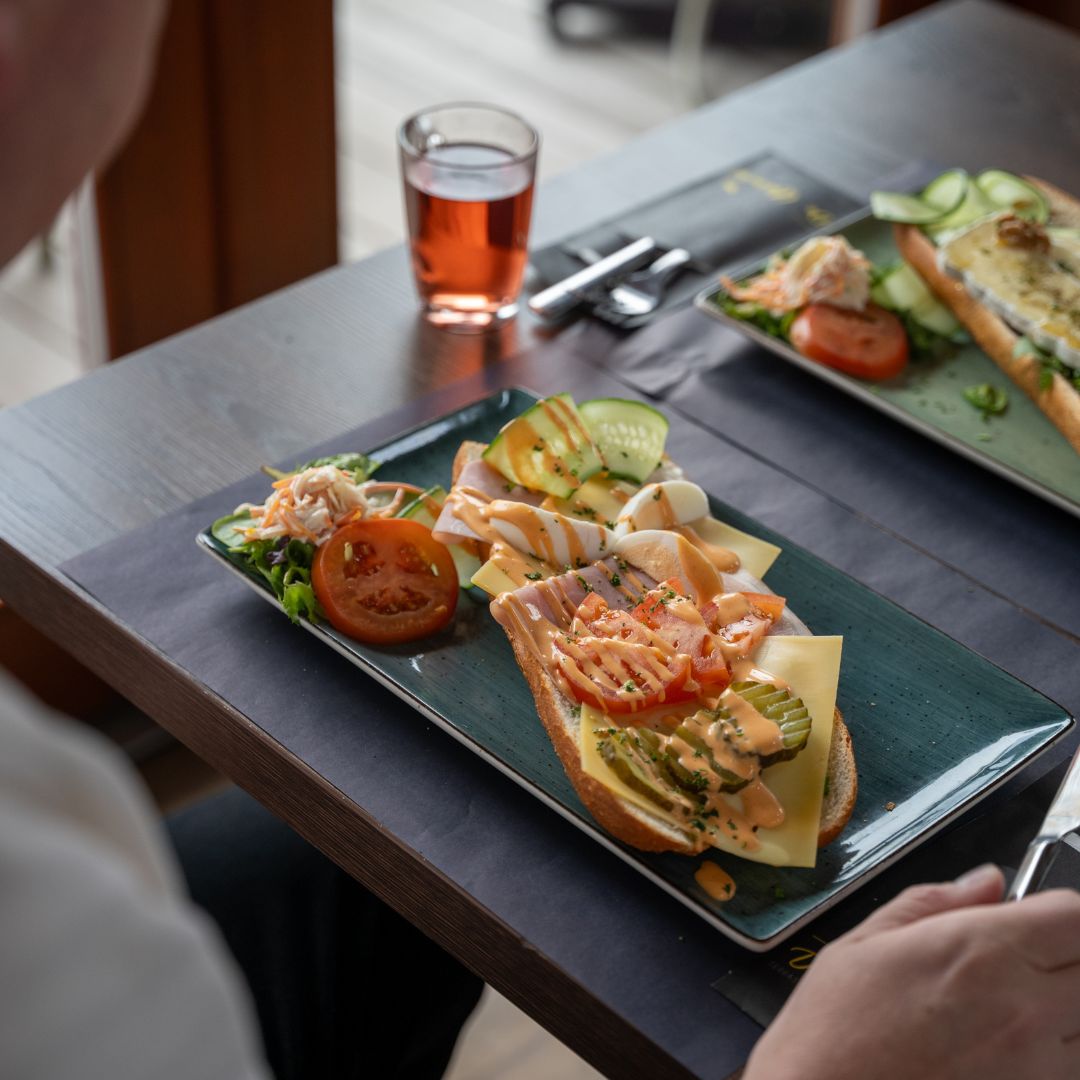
(718, 883)
(761, 806)
(628, 670)
(724, 560)
(755, 734)
(667, 555)
(525, 443)
(730, 607)
(516, 566)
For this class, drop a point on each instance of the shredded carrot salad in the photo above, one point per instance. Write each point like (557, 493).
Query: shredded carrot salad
(310, 505)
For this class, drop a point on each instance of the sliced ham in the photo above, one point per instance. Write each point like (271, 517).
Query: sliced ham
(477, 485)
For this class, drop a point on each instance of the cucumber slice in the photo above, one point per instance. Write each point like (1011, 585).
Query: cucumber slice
(419, 509)
(938, 199)
(630, 435)
(935, 316)
(227, 529)
(903, 288)
(465, 562)
(1009, 192)
(903, 209)
(976, 204)
(947, 192)
(547, 448)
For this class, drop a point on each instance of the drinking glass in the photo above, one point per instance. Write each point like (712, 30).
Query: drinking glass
(468, 172)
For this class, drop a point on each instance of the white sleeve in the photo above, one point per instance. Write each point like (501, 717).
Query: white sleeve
(105, 969)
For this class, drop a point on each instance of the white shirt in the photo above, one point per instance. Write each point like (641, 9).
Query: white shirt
(106, 970)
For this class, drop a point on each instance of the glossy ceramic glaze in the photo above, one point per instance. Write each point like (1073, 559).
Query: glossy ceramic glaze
(1021, 444)
(935, 726)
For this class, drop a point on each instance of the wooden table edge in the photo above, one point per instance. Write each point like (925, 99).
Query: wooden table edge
(237, 747)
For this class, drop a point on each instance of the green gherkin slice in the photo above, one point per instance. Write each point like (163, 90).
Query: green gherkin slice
(620, 765)
(729, 781)
(788, 713)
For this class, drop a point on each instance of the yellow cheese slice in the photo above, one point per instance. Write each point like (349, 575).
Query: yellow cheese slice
(506, 570)
(599, 499)
(755, 555)
(811, 665)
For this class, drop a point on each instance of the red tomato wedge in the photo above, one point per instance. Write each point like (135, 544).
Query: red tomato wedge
(767, 604)
(869, 344)
(673, 617)
(385, 581)
(617, 664)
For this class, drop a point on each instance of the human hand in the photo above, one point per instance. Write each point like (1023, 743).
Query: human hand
(944, 982)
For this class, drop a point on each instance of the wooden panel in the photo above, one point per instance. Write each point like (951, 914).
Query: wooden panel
(227, 188)
(274, 143)
(156, 202)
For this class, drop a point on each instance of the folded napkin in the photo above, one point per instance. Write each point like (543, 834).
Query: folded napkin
(726, 220)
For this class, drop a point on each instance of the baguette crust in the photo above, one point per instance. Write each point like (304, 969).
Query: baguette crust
(1060, 401)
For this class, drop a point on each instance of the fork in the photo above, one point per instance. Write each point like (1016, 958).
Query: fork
(642, 292)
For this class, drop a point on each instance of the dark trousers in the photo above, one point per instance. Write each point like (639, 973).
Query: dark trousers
(343, 986)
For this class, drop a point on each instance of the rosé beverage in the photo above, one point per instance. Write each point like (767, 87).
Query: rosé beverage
(468, 203)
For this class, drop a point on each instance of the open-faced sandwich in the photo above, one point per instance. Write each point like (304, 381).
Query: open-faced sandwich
(689, 706)
(1003, 253)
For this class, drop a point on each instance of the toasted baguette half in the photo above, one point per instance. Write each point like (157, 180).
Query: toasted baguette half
(623, 819)
(1059, 401)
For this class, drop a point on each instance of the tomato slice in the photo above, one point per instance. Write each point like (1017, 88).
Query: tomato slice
(615, 663)
(385, 581)
(767, 603)
(869, 344)
(668, 612)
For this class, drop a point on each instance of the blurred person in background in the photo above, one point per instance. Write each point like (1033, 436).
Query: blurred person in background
(109, 970)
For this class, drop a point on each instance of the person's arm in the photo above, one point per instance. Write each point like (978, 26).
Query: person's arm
(944, 982)
(107, 969)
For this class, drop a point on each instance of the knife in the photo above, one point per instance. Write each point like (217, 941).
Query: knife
(556, 300)
(1061, 823)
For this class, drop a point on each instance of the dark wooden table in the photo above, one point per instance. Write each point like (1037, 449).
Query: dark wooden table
(970, 84)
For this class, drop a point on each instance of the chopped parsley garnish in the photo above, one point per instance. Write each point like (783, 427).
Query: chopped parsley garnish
(629, 687)
(615, 579)
(990, 400)
(583, 583)
(532, 577)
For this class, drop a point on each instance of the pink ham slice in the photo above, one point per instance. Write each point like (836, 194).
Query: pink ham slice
(557, 598)
(488, 484)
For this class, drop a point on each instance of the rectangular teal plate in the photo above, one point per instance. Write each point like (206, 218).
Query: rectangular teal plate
(935, 726)
(1020, 445)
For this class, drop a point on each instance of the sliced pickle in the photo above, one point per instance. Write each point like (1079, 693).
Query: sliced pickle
(729, 781)
(789, 713)
(620, 764)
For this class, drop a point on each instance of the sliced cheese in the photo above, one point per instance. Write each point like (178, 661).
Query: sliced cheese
(754, 555)
(507, 570)
(812, 666)
(600, 498)
(592, 764)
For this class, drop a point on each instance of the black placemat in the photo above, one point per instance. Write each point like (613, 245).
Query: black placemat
(730, 218)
